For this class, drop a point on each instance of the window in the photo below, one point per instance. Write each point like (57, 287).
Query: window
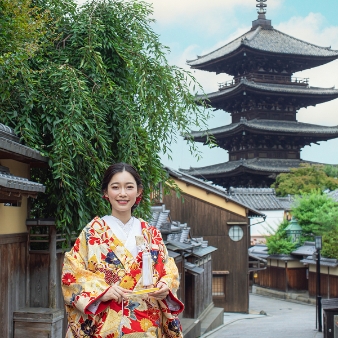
(236, 233)
(218, 286)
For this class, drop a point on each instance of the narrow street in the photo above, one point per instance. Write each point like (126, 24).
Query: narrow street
(283, 319)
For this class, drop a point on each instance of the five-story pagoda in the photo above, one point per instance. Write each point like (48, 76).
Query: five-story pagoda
(264, 138)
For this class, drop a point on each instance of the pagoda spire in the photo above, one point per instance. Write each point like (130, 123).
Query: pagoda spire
(261, 8)
(261, 20)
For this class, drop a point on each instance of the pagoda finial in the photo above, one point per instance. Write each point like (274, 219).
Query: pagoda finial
(261, 21)
(261, 8)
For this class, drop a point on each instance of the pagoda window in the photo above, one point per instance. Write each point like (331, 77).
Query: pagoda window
(263, 155)
(251, 155)
(292, 155)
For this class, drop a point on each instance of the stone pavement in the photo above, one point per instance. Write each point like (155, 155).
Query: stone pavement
(283, 319)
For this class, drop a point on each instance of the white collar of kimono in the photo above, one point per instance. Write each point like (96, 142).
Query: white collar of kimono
(129, 240)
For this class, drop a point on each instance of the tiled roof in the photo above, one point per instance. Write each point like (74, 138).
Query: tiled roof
(260, 250)
(8, 181)
(267, 40)
(332, 262)
(272, 126)
(19, 149)
(308, 248)
(8, 133)
(272, 88)
(258, 164)
(185, 177)
(257, 198)
(286, 202)
(10, 143)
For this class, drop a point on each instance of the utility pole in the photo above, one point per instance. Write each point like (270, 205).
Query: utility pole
(318, 246)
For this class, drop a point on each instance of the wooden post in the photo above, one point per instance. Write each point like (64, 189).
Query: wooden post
(28, 297)
(52, 267)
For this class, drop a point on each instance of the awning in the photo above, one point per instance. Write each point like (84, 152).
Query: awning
(193, 269)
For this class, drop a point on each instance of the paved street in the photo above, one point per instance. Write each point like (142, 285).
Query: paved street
(283, 319)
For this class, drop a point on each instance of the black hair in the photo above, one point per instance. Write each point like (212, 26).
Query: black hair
(118, 168)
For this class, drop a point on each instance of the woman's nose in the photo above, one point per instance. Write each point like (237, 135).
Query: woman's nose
(123, 192)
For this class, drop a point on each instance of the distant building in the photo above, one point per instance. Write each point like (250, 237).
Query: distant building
(223, 222)
(276, 209)
(16, 187)
(264, 138)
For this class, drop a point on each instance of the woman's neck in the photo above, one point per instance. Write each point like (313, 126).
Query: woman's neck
(123, 217)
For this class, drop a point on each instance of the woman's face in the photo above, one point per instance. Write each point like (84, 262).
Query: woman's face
(122, 192)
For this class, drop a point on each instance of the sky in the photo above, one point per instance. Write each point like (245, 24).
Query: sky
(197, 27)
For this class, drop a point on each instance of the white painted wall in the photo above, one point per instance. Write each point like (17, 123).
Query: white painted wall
(271, 223)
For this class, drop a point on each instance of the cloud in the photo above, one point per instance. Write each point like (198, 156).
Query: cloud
(313, 29)
(203, 15)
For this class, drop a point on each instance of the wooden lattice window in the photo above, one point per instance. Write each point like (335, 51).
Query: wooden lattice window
(218, 283)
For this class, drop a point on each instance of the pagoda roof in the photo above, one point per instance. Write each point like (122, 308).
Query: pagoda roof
(267, 41)
(272, 88)
(269, 126)
(261, 166)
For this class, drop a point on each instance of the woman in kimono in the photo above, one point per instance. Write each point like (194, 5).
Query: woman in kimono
(118, 279)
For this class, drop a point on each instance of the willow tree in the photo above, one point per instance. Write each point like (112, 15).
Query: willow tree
(98, 89)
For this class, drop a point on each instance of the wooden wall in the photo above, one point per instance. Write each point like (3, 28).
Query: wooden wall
(198, 289)
(13, 253)
(328, 285)
(210, 222)
(282, 279)
(296, 278)
(39, 280)
(272, 277)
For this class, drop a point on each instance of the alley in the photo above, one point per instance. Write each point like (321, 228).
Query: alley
(283, 319)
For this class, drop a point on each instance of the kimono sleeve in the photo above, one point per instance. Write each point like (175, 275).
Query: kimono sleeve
(80, 286)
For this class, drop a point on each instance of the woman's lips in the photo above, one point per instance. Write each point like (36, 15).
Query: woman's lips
(122, 202)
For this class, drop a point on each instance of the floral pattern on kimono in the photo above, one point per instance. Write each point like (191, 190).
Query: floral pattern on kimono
(99, 259)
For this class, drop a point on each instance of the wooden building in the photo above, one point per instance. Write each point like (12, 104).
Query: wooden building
(264, 138)
(194, 262)
(328, 276)
(283, 273)
(297, 272)
(224, 223)
(276, 209)
(15, 189)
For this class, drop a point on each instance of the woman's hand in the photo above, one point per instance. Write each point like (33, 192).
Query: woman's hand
(116, 293)
(162, 293)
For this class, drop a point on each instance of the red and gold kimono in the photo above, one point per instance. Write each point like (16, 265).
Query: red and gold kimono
(98, 260)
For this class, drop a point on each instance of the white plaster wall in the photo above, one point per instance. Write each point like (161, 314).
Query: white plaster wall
(271, 223)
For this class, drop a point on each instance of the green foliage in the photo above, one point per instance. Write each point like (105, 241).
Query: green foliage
(304, 179)
(316, 213)
(97, 90)
(331, 171)
(279, 242)
(330, 247)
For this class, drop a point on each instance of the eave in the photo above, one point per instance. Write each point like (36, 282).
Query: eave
(268, 42)
(254, 166)
(10, 149)
(269, 127)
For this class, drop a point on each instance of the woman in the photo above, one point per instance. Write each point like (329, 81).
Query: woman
(114, 257)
